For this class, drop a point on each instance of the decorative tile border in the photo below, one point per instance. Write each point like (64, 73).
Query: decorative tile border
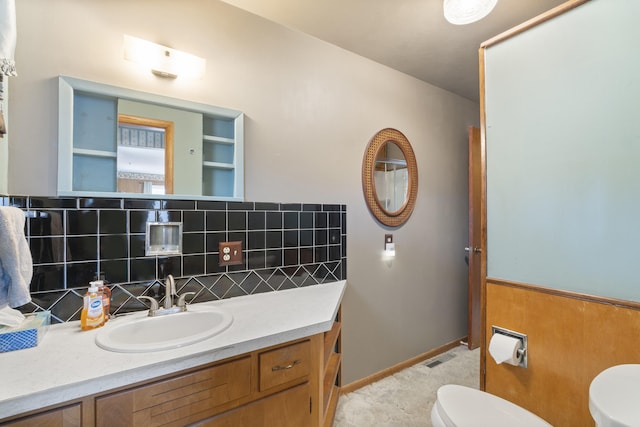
(285, 245)
(65, 305)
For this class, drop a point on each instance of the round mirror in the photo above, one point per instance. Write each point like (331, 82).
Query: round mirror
(390, 177)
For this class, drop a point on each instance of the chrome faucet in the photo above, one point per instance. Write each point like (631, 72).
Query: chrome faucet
(169, 293)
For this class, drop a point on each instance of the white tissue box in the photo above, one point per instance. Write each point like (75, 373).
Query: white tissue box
(28, 334)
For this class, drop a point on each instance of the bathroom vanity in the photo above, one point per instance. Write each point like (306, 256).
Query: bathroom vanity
(278, 364)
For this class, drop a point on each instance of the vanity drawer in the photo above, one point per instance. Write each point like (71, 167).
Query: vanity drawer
(287, 408)
(284, 364)
(69, 416)
(186, 398)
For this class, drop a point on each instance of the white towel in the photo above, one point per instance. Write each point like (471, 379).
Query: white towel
(10, 317)
(8, 36)
(16, 265)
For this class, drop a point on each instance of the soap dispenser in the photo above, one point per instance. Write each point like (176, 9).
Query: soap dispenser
(103, 288)
(92, 315)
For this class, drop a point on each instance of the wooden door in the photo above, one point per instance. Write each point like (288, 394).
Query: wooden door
(474, 244)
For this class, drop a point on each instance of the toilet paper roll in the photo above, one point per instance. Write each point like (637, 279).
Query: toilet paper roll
(504, 349)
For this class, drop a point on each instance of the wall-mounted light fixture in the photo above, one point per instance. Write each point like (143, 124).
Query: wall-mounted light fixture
(161, 60)
(461, 12)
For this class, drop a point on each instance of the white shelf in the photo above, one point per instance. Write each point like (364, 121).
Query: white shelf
(218, 165)
(94, 153)
(218, 139)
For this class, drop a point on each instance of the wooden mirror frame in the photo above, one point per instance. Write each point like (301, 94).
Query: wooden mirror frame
(399, 217)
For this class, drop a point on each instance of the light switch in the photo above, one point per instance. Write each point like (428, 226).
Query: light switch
(389, 246)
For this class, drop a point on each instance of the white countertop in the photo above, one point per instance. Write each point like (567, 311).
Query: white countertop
(67, 364)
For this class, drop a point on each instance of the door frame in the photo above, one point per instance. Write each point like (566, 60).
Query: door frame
(474, 242)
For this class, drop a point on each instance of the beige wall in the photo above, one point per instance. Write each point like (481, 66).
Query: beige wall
(311, 109)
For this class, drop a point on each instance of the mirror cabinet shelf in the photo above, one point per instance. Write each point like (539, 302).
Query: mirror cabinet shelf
(94, 153)
(217, 165)
(220, 155)
(125, 143)
(218, 139)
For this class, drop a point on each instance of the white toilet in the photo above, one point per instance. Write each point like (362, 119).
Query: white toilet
(614, 396)
(459, 406)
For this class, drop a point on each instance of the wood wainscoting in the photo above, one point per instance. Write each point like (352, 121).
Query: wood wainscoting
(571, 338)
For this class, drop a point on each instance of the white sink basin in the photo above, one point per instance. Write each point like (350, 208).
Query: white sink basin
(614, 396)
(139, 335)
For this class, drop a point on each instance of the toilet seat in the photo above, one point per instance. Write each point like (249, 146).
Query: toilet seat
(459, 406)
(614, 396)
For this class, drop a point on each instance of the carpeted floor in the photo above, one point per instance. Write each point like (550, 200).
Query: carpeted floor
(405, 398)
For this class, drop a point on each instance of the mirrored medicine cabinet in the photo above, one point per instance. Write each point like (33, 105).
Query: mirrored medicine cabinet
(120, 142)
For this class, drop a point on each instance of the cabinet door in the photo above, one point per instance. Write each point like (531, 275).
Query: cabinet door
(69, 416)
(289, 408)
(177, 401)
(285, 365)
(94, 143)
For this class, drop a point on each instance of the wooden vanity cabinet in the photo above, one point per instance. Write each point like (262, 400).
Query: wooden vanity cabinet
(175, 401)
(286, 408)
(294, 384)
(67, 416)
(331, 371)
(270, 387)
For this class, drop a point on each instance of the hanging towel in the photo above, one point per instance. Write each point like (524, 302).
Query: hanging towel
(16, 265)
(8, 36)
(3, 126)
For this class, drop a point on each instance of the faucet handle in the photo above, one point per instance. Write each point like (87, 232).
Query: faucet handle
(154, 303)
(182, 299)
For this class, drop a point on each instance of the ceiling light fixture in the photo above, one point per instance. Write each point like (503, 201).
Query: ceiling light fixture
(161, 60)
(461, 12)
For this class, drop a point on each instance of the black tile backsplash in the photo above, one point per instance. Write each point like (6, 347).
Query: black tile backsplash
(112, 222)
(192, 221)
(285, 245)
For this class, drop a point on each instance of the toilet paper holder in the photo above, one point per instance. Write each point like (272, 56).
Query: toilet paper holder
(522, 352)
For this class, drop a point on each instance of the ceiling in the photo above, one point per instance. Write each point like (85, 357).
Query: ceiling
(411, 36)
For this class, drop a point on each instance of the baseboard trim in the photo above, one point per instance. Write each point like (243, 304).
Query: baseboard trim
(399, 367)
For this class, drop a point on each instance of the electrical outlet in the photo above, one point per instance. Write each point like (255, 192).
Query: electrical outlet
(230, 253)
